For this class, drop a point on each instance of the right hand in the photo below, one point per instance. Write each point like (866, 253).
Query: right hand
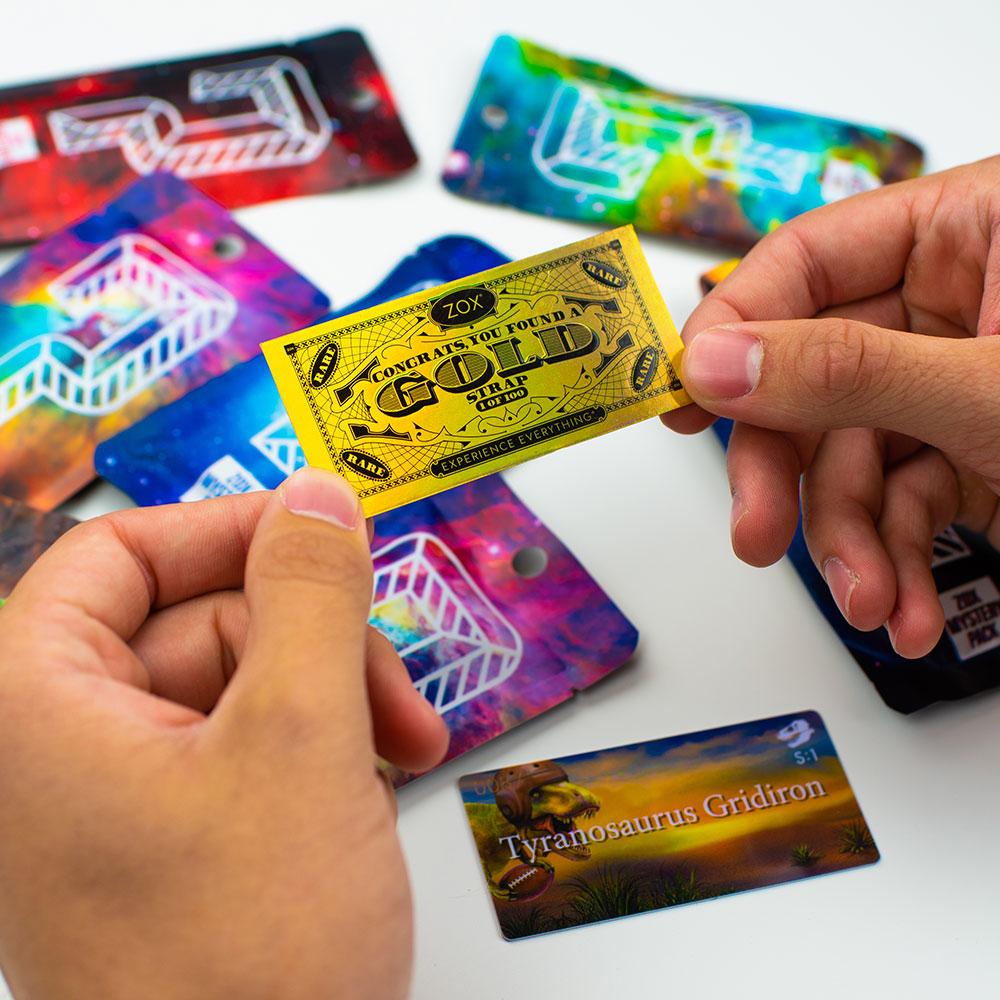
(856, 348)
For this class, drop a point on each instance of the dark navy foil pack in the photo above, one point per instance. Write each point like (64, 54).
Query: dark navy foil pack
(965, 661)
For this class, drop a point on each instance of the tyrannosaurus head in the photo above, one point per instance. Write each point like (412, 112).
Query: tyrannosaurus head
(539, 799)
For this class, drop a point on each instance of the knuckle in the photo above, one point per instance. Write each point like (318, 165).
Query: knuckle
(109, 532)
(792, 245)
(314, 557)
(97, 532)
(286, 722)
(840, 365)
(283, 716)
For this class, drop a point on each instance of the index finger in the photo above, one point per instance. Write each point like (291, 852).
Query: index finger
(849, 250)
(843, 252)
(117, 568)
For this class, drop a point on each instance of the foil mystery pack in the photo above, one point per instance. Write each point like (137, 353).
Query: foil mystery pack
(573, 138)
(249, 126)
(966, 659)
(123, 312)
(437, 389)
(490, 647)
(232, 435)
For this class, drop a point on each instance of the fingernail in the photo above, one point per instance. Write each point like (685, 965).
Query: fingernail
(325, 495)
(841, 580)
(736, 514)
(893, 625)
(723, 362)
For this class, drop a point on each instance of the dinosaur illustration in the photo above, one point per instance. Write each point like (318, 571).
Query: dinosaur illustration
(533, 801)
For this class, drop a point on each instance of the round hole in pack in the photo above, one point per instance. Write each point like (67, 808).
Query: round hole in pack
(363, 99)
(530, 561)
(494, 116)
(229, 247)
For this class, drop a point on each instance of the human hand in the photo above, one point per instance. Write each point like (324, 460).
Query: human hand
(811, 346)
(190, 706)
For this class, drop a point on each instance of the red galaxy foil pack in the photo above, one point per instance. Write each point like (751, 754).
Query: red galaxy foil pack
(244, 127)
(25, 534)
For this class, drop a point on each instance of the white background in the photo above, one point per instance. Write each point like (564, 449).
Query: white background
(645, 511)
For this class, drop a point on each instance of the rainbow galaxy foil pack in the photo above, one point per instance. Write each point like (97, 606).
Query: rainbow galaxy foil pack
(126, 310)
(25, 534)
(966, 660)
(413, 397)
(652, 825)
(232, 435)
(270, 122)
(572, 138)
(489, 647)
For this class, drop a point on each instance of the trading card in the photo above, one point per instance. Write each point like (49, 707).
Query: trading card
(577, 139)
(493, 616)
(270, 122)
(25, 534)
(232, 435)
(123, 312)
(437, 389)
(652, 825)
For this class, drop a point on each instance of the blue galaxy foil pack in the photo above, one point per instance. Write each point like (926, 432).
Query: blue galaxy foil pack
(232, 435)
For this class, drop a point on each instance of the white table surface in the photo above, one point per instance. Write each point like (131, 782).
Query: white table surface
(645, 511)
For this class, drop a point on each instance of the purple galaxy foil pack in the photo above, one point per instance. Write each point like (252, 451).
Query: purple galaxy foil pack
(123, 312)
(489, 647)
(271, 122)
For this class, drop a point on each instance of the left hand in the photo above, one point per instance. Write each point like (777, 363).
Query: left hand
(191, 703)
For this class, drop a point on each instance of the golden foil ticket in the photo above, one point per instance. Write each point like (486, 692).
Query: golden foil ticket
(424, 393)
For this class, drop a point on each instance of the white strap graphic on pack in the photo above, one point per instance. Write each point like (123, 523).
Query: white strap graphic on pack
(288, 125)
(279, 445)
(599, 141)
(152, 309)
(467, 646)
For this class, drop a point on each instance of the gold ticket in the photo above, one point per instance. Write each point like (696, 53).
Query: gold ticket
(439, 388)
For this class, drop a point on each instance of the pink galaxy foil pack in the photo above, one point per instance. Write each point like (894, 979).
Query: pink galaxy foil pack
(488, 645)
(121, 313)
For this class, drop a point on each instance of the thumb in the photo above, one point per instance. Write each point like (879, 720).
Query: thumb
(308, 586)
(822, 374)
